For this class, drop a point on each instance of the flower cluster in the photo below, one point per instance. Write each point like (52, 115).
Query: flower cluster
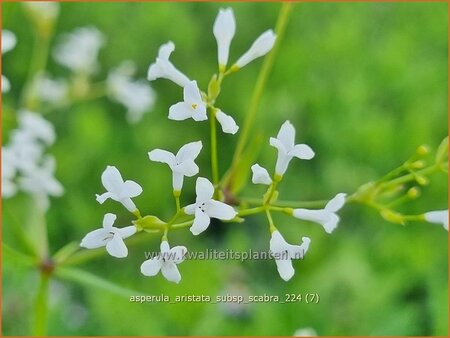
(8, 42)
(25, 165)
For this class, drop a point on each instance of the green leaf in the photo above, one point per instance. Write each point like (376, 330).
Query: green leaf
(66, 251)
(88, 279)
(442, 151)
(15, 256)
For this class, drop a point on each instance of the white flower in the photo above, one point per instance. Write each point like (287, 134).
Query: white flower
(36, 127)
(9, 170)
(228, 124)
(137, 96)
(109, 236)
(166, 261)
(118, 190)
(438, 216)
(27, 150)
(224, 30)
(50, 90)
(163, 68)
(262, 45)
(327, 217)
(305, 332)
(206, 208)
(287, 149)
(182, 164)
(192, 106)
(260, 175)
(8, 42)
(79, 50)
(283, 252)
(43, 10)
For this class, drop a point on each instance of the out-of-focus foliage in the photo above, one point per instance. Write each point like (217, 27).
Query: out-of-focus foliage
(364, 84)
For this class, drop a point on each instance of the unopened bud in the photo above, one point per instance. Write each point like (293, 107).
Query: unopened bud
(392, 216)
(413, 193)
(418, 164)
(423, 150)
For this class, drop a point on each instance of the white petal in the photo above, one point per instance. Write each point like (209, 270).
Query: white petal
(187, 168)
(180, 111)
(165, 248)
(152, 266)
(282, 164)
(108, 221)
(302, 151)
(299, 251)
(260, 175)
(274, 142)
(199, 113)
(224, 30)
(6, 86)
(127, 231)
(177, 180)
(286, 135)
(220, 210)
(131, 189)
(163, 156)
(165, 50)
(170, 272)
(285, 268)
(201, 222)
(229, 126)
(191, 93)
(262, 45)
(8, 41)
(190, 209)
(112, 180)
(277, 242)
(189, 151)
(95, 239)
(438, 216)
(327, 219)
(103, 197)
(177, 254)
(116, 247)
(129, 204)
(331, 223)
(336, 203)
(204, 189)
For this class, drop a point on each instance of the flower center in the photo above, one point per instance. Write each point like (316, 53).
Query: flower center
(194, 106)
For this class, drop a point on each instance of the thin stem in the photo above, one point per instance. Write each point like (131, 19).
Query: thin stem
(214, 161)
(283, 203)
(272, 226)
(412, 176)
(280, 28)
(251, 211)
(41, 307)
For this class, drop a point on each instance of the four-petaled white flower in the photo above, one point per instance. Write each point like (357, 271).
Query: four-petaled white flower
(192, 105)
(227, 123)
(36, 127)
(283, 252)
(224, 30)
(327, 217)
(8, 42)
(166, 261)
(163, 68)
(260, 175)
(438, 216)
(206, 208)
(109, 236)
(262, 45)
(118, 190)
(287, 149)
(182, 164)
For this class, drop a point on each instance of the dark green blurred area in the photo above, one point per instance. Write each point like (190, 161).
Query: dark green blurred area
(364, 84)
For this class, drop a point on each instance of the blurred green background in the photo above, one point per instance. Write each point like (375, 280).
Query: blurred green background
(364, 84)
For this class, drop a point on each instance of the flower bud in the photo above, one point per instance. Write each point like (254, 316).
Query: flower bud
(262, 45)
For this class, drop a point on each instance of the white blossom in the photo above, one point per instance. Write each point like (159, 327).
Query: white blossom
(438, 216)
(118, 189)
(79, 50)
(305, 332)
(53, 91)
(137, 96)
(163, 68)
(327, 217)
(37, 127)
(182, 164)
(227, 123)
(224, 30)
(283, 252)
(262, 45)
(9, 188)
(260, 175)
(8, 42)
(166, 262)
(192, 105)
(205, 207)
(109, 236)
(287, 149)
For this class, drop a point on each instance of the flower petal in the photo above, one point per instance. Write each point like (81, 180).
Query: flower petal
(277, 242)
(8, 41)
(116, 247)
(108, 221)
(302, 151)
(189, 151)
(299, 251)
(103, 197)
(152, 266)
(131, 189)
(286, 135)
(180, 111)
(438, 216)
(274, 142)
(201, 222)
(228, 124)
(204, 189)
(129, 204)
(127, 231)
(177, 180)
(191, 94)
(336, 203)
(6, 86)
(163, 156)
(260, 175)
(170, 272)
(95, 239)
(285, 268)
(220, 210)
(177, 254)
(112, 180)
(331, 223)
(224, 29)
(262, 45)
(165, 50)
(165, 248)
(190, 209)
(187, 168)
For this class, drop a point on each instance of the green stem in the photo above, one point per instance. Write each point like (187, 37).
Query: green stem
(280, 28)
(251, 211)
(214, 162)
(272, 226)
(290, 204)
(411, 177)
(41, 307)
